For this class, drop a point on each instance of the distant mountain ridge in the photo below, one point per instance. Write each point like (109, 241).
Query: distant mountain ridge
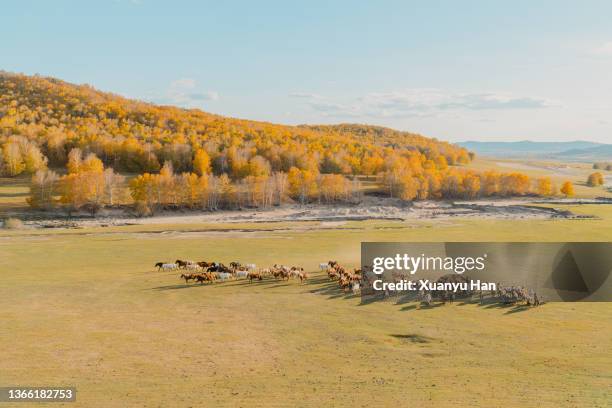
(578, 150)
(600, 152)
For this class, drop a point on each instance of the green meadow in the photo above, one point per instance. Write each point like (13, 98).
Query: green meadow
(85, 307)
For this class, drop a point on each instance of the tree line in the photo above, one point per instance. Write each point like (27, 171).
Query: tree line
(89, 186)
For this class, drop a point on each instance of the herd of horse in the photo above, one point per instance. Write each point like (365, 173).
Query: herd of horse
(347, 280)
(353, 280)
(209, 272)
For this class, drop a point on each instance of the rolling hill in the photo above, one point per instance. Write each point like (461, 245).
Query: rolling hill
(601, 152)
(132, 136)
(569, 151)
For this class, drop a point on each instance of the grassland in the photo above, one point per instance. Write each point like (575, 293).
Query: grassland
(559, 172)
(85, 307)
(13, 193)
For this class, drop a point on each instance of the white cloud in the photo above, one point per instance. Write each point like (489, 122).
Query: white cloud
(184, 92)
(420, 103)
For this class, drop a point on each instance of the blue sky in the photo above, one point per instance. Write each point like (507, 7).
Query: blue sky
(468, 70)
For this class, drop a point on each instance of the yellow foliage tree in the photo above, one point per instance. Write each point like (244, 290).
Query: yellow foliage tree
(544, 186)
(42, 189)
(567, 189)
(302, 184)
(409, 188)
(13, 161)
(201, 162)
(144, 189)
(471, 185)
(85, 186)
(75, 159)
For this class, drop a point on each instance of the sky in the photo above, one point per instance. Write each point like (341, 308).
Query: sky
(454, 70)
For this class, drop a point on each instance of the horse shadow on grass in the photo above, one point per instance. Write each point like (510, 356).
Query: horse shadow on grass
(409, 300)
(175, 287)
(318, 281)
(266, 283)
(414, 338)
(278, 285)
(329, 289)
(518, 309)
(412, 302)
(431, 305)
(247, 283)
(406, 298)
(510, 308)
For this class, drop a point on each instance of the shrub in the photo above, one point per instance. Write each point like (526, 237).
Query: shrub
(13, 224)
(142, 209)
(595, 179)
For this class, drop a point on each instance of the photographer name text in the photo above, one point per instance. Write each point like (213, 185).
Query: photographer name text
(427, 285)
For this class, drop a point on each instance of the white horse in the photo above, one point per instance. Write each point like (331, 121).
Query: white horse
(193, 267)
(224, 275)
(166, 266)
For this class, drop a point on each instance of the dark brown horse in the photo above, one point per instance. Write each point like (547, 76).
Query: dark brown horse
(204, 277)
(220, 268)
(181, 264)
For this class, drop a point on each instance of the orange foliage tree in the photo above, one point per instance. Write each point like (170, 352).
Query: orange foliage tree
(567, 189)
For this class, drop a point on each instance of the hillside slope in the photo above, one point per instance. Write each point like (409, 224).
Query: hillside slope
(134, 136)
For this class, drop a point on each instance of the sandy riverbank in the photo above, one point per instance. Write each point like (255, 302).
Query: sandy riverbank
(369, 208)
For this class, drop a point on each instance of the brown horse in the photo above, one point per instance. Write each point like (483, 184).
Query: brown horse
(254, 275)
(204, 277)
(303, 276)
(204, 264)
(188, 277)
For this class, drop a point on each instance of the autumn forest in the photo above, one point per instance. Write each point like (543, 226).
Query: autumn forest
(86, 150)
